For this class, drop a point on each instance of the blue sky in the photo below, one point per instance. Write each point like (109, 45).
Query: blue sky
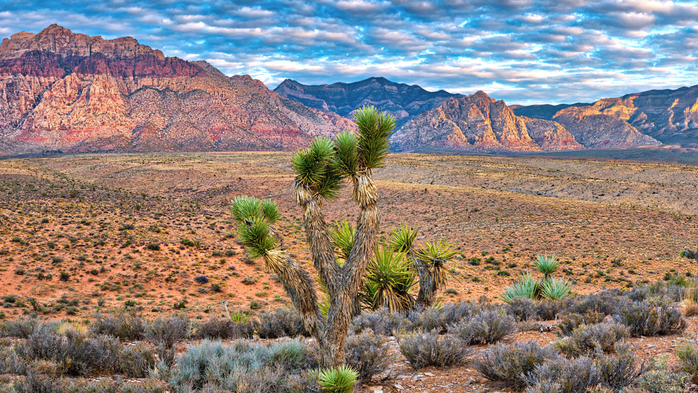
(518, 50)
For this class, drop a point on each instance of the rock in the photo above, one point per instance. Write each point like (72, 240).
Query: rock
(76, 93)
(398, 386)
(480, 123)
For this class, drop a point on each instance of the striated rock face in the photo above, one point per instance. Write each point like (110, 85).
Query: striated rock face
(72, 92)
(480, 123)
(647, 118)
(405, 102)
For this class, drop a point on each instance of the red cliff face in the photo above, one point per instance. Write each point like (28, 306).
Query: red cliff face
(480, 123)
(60, 90)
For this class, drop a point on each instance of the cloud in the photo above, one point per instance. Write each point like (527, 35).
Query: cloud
(522, 51)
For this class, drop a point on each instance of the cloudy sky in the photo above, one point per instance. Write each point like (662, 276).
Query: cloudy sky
(522, 51)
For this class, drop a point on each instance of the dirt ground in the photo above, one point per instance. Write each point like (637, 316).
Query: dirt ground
(92, 232)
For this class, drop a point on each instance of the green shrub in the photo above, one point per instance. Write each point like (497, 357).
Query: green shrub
(123, 325)
(511, 363)
(643, 319)
(487, 327)
(423, 349)
(368, 354)
(591, 339)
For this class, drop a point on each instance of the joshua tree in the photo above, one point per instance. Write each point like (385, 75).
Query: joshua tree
(320, 173)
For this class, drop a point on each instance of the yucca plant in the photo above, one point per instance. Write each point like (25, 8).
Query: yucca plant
(556, 289)
(525, 287)
(342, 236)
(546, 265)
(430, 261)
(338, 380)
(402, 238)
(320, 171)
(389, 280)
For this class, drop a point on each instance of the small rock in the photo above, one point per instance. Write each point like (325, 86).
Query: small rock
(398, 386)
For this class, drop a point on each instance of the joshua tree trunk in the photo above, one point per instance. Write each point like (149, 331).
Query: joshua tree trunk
(427, 288)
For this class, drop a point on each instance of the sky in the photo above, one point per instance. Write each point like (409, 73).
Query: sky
(522, 51)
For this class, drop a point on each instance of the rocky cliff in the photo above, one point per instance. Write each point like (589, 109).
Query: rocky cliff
(648, 118)
(405, 102)
(480, 123)
(72, 92)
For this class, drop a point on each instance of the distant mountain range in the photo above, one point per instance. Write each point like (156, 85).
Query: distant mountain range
(71, 92)
(76, 93)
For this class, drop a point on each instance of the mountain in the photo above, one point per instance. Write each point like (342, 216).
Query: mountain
(73, 92)
(405, 102)
(651, 117)
(480, 123)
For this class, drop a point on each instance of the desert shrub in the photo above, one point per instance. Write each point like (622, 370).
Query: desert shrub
(660, 379)
(37, 383)
(136, 360)
(580, 374)
(381, 322)
(368, 354)
(485, 328)
(75, 353)
(523, 309)
(11, 363)
(687, 352)
(240, 367)
(123, 325)
(20, 328)
(280, 323)
(220, 328)
(338, 380)
(511, 363)
(439, 318)
(423, 349)
(590, 339)
(526, 287)
(606, 302)
(642, 319)
(564, 376)
(167, 331)
(569, 322)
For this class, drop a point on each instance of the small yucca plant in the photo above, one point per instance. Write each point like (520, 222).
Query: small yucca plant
(434, 256)
(556, 289)
(546, 265)
(389, 280)
(338, 380)
(526, 287)
(402, 238)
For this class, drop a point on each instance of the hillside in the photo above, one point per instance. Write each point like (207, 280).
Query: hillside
(480, 123)
(72, 92)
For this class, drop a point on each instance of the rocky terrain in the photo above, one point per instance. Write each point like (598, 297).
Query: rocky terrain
(651, 117)
(71, 92)
(404, 101)
(479, 122)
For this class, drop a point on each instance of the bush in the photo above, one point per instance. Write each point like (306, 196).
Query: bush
(368, 354)
(572, 321)
(523, 309)
(511, 363)
(219, 328)
(123, 325)
(240, 367)
(338, 380)
(136, 360)
(20, 328)
(381, 322)
(281, 323)
(485, 328)
(430, 349)
(439, 318)
(590, 339)
(168, 331)
(687, 352)
(659, 379)
(643, 319)
(580, 374)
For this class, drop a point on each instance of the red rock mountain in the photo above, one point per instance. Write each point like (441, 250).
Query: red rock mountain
(480, 123)
(651, 117)
(72, 92)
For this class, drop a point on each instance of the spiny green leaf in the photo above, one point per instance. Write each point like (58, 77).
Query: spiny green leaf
(343, 238)
(347, 157)
(271, 210)
(402, 238)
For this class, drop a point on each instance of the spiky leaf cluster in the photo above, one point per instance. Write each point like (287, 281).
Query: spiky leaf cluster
(253, 217)
(338, 380)
(434, 256)
(374, 129)
(316, 168)
(402, 238)
(555, 288)
(342, 237)
(526, 287)
(546, 264)
(389, 280)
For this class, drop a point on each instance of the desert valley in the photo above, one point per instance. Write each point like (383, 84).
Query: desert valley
(121, 237)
